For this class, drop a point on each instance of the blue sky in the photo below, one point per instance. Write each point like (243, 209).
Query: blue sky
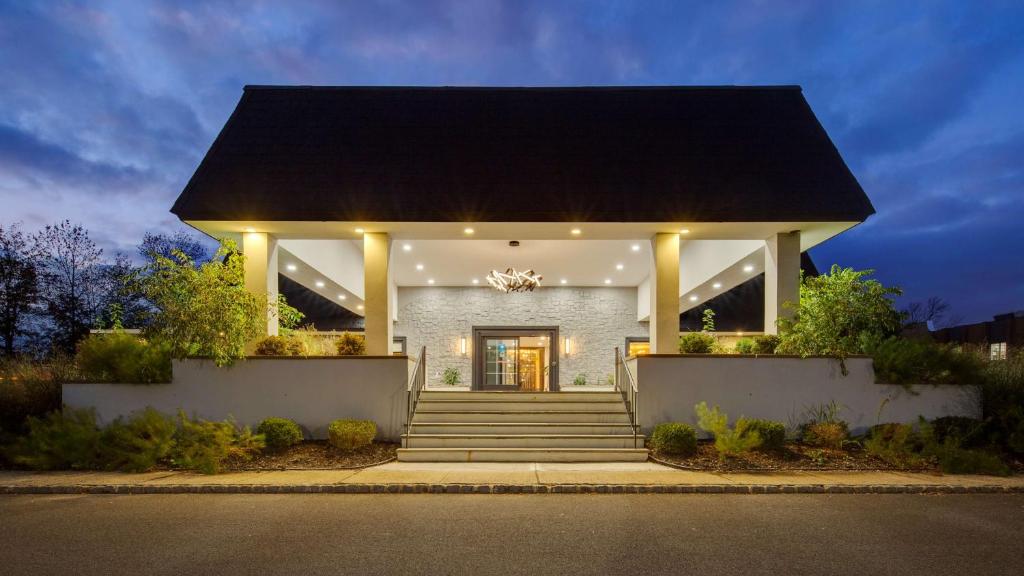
(106, 108)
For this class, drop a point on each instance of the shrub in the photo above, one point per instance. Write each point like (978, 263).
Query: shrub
(350, 344)
(896, 444)
(203, 445)
(307, 341)
(138, 443)
(273, 346)
(697, 343)
(61, 439)
(580, 380)
(279, 433)
(674, 438)
(348, 434)
(451, 376)
(744, 346)
(968, 432)
(123, 358)
(766, 344)
(29, 388)
(903, 361)
(771, 433)
(954, 459)
(728, 442)
(826, 434)
(1002, 394)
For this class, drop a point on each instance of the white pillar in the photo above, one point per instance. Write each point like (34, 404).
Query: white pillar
(781, 277)
(260, 251)
(377, 293)
(664, 294)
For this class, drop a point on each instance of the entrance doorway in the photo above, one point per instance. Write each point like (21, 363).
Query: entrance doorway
(515, 358)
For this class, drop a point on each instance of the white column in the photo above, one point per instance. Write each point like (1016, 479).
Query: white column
(377, 293)
(781, 277)
(664, 294)
(260, 251)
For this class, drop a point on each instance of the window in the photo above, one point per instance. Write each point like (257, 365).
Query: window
(637, 346)
(997, 351)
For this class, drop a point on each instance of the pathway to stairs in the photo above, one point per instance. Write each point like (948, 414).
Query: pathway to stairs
(521, 427)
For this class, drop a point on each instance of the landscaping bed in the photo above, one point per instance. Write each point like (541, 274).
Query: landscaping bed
(793, 456)
(316, 455)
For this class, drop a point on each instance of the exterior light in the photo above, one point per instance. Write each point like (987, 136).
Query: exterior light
(360, 230)
(476, 280)
(419, 266)
(684, 231)
(430, 280)
(568, 346)
(563, 281)
(748, 268)
(619, 266)
(406, 247)
(319, 283)
(607, 280)
(635, 247)
(342, 296)
(576, 231)
(716, 285)
(462, 345)
(290, 267)
(250, 229)
(693, 298)
(468, 231)
(360, 307)
(512, 280)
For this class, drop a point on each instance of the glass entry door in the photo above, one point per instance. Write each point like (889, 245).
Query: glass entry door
(521, 359)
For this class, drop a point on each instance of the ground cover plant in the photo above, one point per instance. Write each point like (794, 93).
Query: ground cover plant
(728, 441)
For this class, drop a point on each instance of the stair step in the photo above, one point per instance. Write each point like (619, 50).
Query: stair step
(489, 396)
(521, 428)
(522, 455)
(512, 405)
(521, 416)
(523, 441)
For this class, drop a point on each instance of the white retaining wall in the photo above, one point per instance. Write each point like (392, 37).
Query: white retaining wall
(310, 391)
(784, 388)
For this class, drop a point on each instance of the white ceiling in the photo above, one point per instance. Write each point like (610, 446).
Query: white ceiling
(579, 262)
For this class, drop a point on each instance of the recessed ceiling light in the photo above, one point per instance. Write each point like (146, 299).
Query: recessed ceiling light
(430, 280)
(619, 266)
(468, 231)
(576, 231)
(716, 285)
(319, 283)
(635, 247)
(360, 230)
(607, 280)
(748, 268)
(419, 266)
(250, 229)
(563, 281)
(684, 231)
(342, 297)
(406, 247)
(290, 267)
(476, 280)
(360, 307)
(693, 298)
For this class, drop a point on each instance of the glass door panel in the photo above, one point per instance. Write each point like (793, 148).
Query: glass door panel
(501, 363)
(515, 359)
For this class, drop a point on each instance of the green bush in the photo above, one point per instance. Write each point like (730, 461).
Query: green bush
(348, 434)
(204, 445)
(138, 443)
(954, 459)
(1002, 394)
(580, 380)
(59, 440)
(896, 444)
(123, 358)
(968, 432)
(904, 361)
(766, 344)
(350, 344)
(826, 434)
(272, 346)
(728, 442)
(771, 433)
(674, 438)
(697, 343)
(29, 388)
(744, 346)
(279, 433)
(451, 376)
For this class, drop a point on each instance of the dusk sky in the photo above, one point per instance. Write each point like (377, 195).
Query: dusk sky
(106, 108)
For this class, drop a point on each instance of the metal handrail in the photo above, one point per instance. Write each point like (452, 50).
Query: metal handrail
(417, 381)
(625, 384)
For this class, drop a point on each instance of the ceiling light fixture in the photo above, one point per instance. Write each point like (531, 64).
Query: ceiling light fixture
(342, 297)
(512, 280)
(748, 268)
(419, 266)
(250, 229)
(476, 280)
(290, 267)
(430, 280)
(360, 307)
(576, 231)
(319, 283)
(716, 285)
(563, 281)
(607, 280)
(684, 231)
(635, 247)
(468, 231)
(693, 298)
(360, 230)
(619, 266)
(406, 247)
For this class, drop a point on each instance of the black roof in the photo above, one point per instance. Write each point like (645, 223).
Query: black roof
(604, 154)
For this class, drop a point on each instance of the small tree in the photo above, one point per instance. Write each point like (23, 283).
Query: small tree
(708, 320)
(70, 280)
(204, 310)
(19, 284)
(836, 314)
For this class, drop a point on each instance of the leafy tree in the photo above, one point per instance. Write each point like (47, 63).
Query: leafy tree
(708, 320)
(837, 313)
(124, 305)
(19, 284)
(167, 244)
(204, 310)
(71, 281)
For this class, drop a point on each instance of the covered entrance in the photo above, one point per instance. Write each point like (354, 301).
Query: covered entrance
(515, 358)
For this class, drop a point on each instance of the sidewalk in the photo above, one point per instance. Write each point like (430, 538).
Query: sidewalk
(486, 478)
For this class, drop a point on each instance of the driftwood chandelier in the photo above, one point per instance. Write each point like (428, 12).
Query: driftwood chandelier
(512, 280)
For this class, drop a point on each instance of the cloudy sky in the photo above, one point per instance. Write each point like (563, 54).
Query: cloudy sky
(106, 108)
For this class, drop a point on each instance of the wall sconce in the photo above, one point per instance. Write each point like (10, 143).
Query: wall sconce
(568, 346)
(462, 345)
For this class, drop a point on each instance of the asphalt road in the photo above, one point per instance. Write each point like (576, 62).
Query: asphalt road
(637, 535)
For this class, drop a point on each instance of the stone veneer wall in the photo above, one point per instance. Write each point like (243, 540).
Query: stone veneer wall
(597, 319)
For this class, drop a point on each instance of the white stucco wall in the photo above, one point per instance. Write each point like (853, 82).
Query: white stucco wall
(597, 319)
(310, 391)
(784, 388)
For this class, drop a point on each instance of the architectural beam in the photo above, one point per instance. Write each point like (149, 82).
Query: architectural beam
(781, 277)
(377, 293)
(260, 251)
(664, 294)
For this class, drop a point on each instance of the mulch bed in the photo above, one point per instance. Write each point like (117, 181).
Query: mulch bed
(317, 455)
(792, 457)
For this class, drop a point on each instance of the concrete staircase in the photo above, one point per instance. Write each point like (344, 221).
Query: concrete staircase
(521, 427)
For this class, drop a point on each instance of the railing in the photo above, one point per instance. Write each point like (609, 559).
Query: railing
(625, 384)
(417, 380)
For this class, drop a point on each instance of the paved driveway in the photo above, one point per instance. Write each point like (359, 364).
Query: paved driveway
(637, 535)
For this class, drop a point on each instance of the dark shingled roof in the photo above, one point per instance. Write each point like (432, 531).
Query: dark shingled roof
(606, 154)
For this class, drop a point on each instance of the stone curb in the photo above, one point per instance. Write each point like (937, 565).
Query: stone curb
(512, 489)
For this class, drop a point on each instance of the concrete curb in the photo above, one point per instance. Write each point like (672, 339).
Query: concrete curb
(513, 489)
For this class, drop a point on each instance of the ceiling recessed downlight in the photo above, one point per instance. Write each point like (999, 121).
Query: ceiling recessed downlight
(693, 298)
(716, 285)
(748, 268)
(476, 280)
(342, 297)
(468, 231)
(360, 307)
(319, 283)
(360, 230)
(635, 247)
(291, 267)
(563, 281)
(576, 231)
(619, 266)
(430, 280)
(406, 247)
(419, 266)
(684, 231)
(607, 280)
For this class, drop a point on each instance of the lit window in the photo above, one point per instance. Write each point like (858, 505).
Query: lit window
(997, 351)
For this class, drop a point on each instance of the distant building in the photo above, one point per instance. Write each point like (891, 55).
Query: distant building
(1002, 332)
